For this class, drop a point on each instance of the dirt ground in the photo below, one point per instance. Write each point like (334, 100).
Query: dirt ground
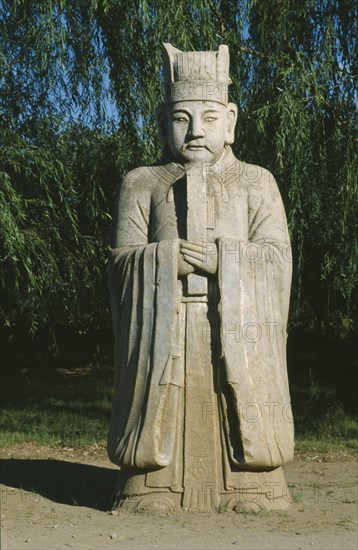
(57, 498)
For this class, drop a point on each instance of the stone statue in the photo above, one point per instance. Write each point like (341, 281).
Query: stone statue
(200, 281)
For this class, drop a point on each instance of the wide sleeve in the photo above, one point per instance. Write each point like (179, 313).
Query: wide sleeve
(142, 281)
(254, 282)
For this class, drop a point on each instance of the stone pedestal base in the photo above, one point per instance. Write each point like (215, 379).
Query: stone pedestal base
(256, 491)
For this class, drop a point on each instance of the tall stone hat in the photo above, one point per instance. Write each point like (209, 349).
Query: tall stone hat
(201, 76)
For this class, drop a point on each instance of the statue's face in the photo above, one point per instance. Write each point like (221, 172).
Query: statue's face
(197, 131)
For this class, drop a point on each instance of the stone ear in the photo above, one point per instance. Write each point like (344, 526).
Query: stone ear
(231, 113)
(162, 124)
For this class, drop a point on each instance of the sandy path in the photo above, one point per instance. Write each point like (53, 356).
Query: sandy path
(56, 498)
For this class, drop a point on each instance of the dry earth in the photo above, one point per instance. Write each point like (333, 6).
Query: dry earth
(57, 498)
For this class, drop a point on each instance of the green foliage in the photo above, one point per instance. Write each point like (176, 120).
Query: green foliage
(52, 61)
(319, 415)
(79, 92)
(66, 409)
(54, 225)
(72, 408)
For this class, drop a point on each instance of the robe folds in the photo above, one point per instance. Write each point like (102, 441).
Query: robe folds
(246, 222)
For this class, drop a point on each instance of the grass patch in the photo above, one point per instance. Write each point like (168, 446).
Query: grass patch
(319, 444)
(321, 423)
(71, 408)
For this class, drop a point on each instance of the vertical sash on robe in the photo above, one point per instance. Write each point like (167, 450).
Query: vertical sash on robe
(196, 220)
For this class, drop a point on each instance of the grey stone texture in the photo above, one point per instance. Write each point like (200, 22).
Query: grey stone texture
(200, 275)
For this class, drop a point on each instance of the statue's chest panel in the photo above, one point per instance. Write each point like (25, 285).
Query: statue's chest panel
(168, 213)
(226, 212)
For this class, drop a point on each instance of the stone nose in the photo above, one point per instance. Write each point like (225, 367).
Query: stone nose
(196, 129)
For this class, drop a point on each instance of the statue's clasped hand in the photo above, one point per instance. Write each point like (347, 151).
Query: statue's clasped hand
(195, 255)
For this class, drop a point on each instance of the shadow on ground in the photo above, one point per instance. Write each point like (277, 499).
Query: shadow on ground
(63, 482)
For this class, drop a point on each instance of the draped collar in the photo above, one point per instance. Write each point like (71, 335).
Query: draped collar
(170, 171)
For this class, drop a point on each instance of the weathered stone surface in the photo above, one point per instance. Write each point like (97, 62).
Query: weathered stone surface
(200, 281)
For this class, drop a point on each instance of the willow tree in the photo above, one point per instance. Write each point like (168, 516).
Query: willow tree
(294, 70)
(56, 155)
(79, 92)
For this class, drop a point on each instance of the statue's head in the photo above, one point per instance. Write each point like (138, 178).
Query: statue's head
(196, 121)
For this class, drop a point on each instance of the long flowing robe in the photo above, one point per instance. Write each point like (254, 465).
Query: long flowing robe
(237, 330)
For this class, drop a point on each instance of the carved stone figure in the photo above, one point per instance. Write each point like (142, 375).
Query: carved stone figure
(200, 281)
